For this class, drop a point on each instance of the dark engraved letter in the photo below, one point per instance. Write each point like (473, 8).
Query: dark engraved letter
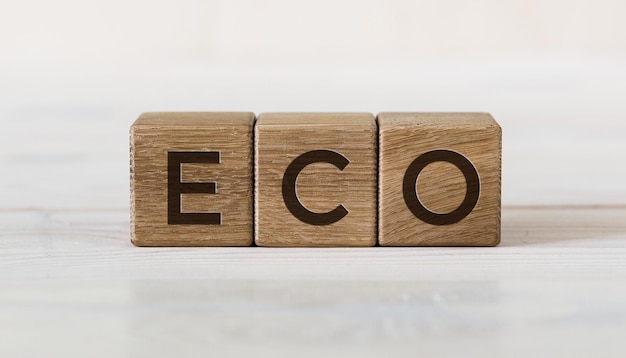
(472, 182)
(289, 187)
(175, 188)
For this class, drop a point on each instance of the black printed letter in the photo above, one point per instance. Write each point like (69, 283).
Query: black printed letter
(472, 182)
(175, 188)
(289, 187)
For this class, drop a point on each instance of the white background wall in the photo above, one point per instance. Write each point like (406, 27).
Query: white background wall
(75, 74)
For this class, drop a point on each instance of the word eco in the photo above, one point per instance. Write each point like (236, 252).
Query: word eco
(315, 179)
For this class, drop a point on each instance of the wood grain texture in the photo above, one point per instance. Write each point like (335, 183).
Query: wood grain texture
(321, 187)
(152, 136)
(440, 186)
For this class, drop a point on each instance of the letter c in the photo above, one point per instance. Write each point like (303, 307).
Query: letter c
(289, 187)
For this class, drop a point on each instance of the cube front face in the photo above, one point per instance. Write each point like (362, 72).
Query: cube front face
(440, 179)
(191, 179)
(315, 180)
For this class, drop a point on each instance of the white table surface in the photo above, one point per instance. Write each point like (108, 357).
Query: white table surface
(72, 285)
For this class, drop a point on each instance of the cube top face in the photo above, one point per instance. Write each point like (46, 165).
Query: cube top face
(316, 119)
(191, 179)
(315, 179)
(191, 119)
(440, 179)
(438, 119)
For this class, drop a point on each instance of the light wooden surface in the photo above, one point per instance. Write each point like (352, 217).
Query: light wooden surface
(320, 188)
(154, 138)
(552, 74)
(71, 284)
(440, 191)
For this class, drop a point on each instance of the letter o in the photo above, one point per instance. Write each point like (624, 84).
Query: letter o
(472, 182)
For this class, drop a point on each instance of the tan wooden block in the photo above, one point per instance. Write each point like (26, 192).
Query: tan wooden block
(439, 179)
(315, 179)
(191, 179)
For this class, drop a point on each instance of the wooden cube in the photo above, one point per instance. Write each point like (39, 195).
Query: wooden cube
(191, 179)
(315, 179)
(439, 179)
